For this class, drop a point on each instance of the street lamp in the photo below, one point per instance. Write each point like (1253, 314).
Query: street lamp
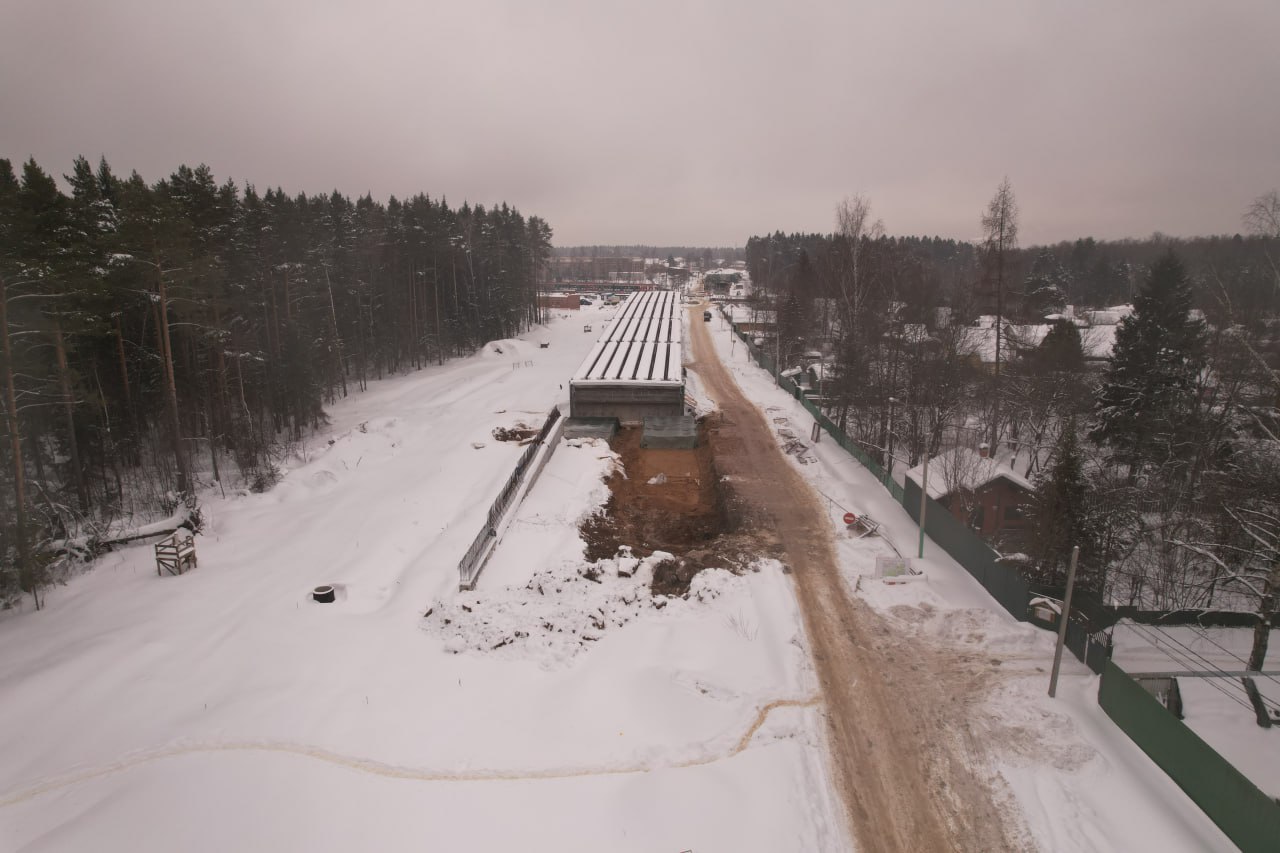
(893, 401)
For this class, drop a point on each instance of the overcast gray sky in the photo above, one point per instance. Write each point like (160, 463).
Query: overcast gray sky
(676, 122)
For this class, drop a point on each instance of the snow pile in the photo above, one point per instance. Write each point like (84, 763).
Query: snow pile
(702, 404)
(561, 611)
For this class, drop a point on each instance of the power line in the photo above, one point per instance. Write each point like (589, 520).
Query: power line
(1178, 658)
(1203, 633)
(1187, 661)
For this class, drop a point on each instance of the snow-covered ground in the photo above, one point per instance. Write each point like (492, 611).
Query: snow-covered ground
(558, 707)
(225, 710)
(1217, 709)
(1081, 783)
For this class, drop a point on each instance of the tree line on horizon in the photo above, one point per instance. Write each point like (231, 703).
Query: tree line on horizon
(1161, 460)
(153, 330)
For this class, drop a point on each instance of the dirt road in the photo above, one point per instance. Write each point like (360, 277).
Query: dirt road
(903, 716)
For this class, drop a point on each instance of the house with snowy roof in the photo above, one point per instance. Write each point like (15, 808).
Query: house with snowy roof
(981, 492)
(720, 280)
(978, 342)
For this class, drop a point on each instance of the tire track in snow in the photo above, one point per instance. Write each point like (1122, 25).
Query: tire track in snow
(391, 771)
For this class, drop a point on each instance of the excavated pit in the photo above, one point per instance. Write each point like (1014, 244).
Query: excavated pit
(681, 502)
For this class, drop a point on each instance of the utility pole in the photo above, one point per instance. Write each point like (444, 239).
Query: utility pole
(893, 401)
(924, 500)
(1062, 623)
(777, 347)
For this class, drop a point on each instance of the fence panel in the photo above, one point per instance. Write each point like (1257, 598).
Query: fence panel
(1248, 816)
(765, 361)
(965, 547)
(468, 566)
(1093, 648)
(1002, 582)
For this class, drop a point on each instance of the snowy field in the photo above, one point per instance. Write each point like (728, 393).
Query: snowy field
(1081, 783)
(223, 710)
(558, 707)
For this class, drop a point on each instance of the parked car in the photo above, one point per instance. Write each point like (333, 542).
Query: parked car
(582, 300)
(706, 316)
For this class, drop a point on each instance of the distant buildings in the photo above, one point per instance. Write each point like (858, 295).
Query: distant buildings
(586, 269)
(720, 280)
(1097, 335)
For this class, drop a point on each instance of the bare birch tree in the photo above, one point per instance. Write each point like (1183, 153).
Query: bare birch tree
(1000, 237)
(854, 228)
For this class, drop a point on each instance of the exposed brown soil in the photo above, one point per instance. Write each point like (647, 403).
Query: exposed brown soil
(672, 500)
(907, 738)
(519, 432)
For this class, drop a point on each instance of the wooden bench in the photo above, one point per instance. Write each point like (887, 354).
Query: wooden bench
(175, 554)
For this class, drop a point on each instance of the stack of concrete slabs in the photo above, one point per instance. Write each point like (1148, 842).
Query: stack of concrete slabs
(670, 433)
(636, 369)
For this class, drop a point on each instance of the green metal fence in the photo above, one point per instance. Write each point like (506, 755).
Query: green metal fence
(965, 547)
(1248, 816)
(828, 426)
(1237, 806)
(1003, 583)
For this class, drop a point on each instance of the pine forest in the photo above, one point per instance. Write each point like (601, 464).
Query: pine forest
(155, 329)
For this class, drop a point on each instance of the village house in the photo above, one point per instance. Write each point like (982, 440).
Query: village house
(986, 495)
(720, 280)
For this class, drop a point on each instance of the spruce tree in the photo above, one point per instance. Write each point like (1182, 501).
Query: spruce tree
(1046, 286)
(1061, 509)
(1061, 351)
(1145, 407)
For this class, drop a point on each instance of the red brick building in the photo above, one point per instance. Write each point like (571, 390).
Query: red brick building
(559, 301)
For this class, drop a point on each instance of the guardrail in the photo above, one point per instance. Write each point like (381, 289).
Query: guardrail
(473, 560)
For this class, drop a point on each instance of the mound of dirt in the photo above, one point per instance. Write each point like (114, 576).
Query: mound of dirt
(672, 500)
(520, 432)
(736, 552)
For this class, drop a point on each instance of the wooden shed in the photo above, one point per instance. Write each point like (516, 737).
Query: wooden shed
(987, 495)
